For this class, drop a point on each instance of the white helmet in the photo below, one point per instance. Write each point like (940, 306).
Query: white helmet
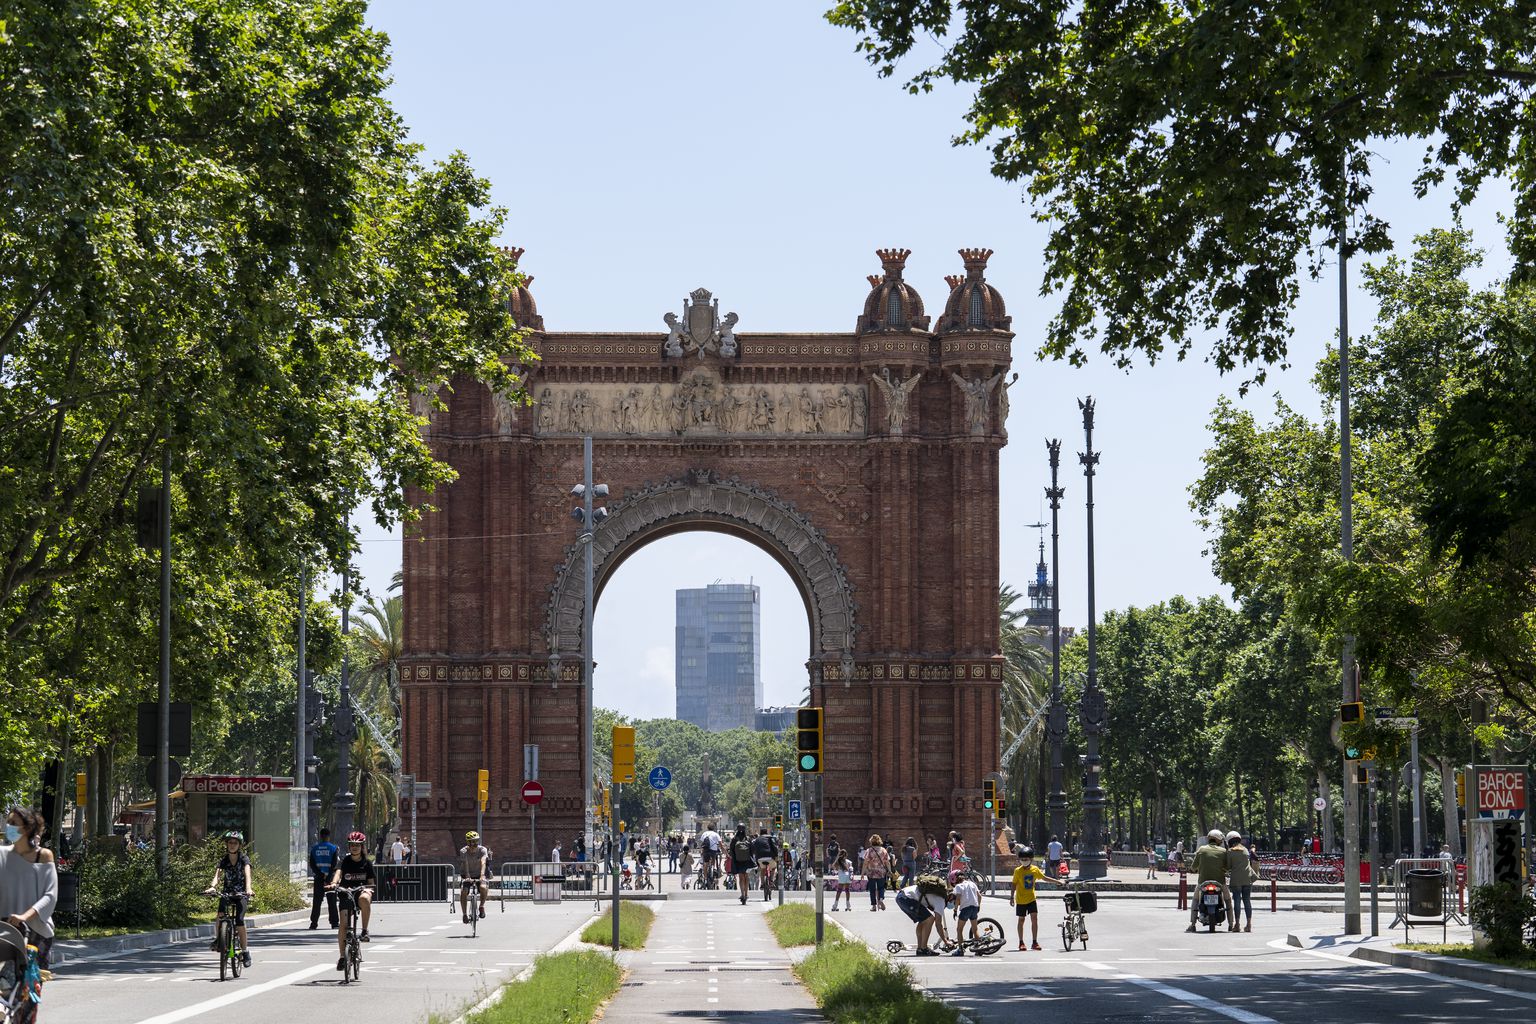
(1234, 835)
(1215, 835)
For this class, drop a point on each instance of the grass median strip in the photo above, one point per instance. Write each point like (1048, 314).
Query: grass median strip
(1466, 952)
(564, 988)
(854, 986)
(793, 924)
(634, 925)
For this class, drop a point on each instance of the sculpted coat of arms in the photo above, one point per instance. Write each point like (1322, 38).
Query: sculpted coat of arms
(700, 330)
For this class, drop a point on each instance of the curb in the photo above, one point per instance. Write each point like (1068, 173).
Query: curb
(82, 951)
(1449, 966)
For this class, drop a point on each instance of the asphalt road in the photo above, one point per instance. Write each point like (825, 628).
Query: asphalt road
(1141, 966)
(421, 959)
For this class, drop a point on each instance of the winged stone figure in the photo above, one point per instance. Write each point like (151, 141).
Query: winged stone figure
(897, 396)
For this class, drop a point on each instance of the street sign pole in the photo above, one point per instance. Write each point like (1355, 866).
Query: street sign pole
(615, 858)
(1418, 792)
(783, 820)
(1370, 789)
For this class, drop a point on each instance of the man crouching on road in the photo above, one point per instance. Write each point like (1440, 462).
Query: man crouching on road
(923, 902)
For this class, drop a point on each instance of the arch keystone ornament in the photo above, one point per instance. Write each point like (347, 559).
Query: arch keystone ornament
(847, 457)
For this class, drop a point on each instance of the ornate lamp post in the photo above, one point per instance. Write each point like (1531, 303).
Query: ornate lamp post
(344, 805)
(1093, 863)
(1056, 717)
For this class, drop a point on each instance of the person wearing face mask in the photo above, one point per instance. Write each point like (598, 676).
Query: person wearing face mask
(29, 879)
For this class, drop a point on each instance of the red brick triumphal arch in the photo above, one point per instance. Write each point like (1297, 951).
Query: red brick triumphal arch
(866, 463)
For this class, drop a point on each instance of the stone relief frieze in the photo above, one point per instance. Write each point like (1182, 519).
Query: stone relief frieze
(701, 404)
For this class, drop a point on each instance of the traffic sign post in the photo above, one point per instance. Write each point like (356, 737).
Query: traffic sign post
(661, 778)
(794, 810)
(532, 793)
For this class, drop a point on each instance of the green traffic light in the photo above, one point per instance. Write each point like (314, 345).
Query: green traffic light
(807, 762)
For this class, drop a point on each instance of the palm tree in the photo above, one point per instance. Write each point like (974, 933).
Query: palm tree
(379, 643)
(373, 783)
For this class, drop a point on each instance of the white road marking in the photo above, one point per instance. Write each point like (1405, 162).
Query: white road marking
(1197, 1000)
(219, 1002)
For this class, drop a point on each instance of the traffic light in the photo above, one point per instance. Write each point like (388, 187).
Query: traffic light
(808, 740)
(484, 787)
(80, 789)
(1352, 712)
(623, 753)
(1354, 752)
(146, 518)
(606, 810)
(989, 795)
(1002, 809)
(775, 780)
(815, 824)
(778, 822)
(1461, 789)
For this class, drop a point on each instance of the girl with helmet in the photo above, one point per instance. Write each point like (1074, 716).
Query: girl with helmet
(353, 872)
(232, 884)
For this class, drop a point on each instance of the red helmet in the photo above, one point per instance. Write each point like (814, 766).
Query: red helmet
(357, 837)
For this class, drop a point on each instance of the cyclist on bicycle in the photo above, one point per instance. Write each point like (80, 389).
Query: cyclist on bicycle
(232, 884)
(643, 865)
(475, 862)
(354, 873)
(765, 850)
(709, 852)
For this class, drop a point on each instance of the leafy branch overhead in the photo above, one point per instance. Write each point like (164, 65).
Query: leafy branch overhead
(1193, 157)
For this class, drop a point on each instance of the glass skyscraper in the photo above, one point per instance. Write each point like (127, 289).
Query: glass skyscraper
(719, 659)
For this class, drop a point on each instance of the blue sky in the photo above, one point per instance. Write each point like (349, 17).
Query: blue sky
(644, 150)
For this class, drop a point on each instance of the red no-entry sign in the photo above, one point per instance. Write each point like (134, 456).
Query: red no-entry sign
(532, 793)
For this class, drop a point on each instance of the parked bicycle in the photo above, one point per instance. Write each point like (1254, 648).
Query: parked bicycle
(1079, 902)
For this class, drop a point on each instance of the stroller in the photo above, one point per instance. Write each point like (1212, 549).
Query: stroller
(21, 980)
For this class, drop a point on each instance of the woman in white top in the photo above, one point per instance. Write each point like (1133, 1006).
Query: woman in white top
(29, 879)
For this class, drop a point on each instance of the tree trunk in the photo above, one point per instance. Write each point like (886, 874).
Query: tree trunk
(1271, 833)
(1448, 799)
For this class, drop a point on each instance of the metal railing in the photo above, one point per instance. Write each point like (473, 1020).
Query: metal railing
(1449, 885)
(516, 879)
(413, 883)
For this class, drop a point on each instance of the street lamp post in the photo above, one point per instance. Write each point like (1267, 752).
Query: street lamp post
(1093, 863)
(589, 518)
(1056, 718)
(344, 805)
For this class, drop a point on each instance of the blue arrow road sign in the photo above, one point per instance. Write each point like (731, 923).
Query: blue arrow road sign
(661, 778)
(794, 810)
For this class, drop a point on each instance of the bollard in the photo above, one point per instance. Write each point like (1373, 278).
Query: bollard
(1274, 896)
(1183, 891)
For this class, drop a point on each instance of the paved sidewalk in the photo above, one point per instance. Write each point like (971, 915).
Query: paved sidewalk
(711, 959)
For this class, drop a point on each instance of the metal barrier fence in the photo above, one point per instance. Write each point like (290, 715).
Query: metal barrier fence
(1413, 903)
(413, 883)
(519, 879)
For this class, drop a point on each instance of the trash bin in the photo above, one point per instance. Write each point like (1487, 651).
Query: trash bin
(1426, 893)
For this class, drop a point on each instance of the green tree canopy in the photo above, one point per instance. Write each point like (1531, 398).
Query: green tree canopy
(217, 240)
(1193, 157)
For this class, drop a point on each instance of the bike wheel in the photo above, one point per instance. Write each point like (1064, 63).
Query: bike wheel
(895, 946)
(236, 962)
(990, 937)
(223, 952)
(354, 960)
(1066, 936)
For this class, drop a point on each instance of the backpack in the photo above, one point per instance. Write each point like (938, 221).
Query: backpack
(741, 850)
(762, 847)
(933, 885)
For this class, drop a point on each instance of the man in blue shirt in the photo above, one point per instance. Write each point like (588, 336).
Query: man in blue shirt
(322, 861)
